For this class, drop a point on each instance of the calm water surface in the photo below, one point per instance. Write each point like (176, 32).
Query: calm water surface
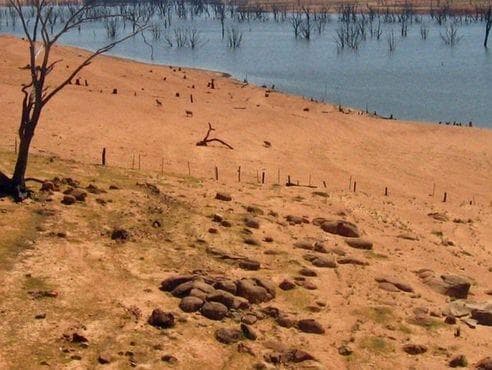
(421, 80)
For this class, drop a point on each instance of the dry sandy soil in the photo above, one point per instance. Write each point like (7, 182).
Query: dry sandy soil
(72, 297)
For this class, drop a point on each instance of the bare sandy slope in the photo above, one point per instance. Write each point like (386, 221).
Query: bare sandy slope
(107, 290)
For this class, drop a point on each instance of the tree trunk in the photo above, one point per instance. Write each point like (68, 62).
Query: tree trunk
(16, 187)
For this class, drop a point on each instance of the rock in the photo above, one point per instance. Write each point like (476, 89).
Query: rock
(170, 359)
(450, 285)
(48, 186)
(190, 304)
(458, 361)
(214, 310)
(286, 356)
(221, 296)
(248, 332)
(320, 261)
(226, 223)
(249, 265)
(79, 195)
(172, 282)
(227, 285)
(439, 216)
(225, 197)
(185, 288)
(408, 236)
(296, 220)
(484, 364)
(251, 241)
(286, 321)
(255, 210)
(304, 244)
(400, 285)
(309, 285)
(414, 349)
(251, 222)
(450, 320)
(249, 319)
(345, 350)
(341, 227)
(217, 217)
(287, 285)
(269, 239)
(388, 287)
(359, 243)
(104, 359)
(350, 260)
(310, 326)
(254, 290)
(120, 235)
(228, 335)
(93, 189)
(318, 221)
(161, 319)
(307, 272)
(458, 308)
(68, 200)
(320, 247)
(482, 314)
(213, 230)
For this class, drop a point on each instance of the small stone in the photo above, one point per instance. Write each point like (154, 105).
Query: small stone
(214, 310)
(226, 223)
(484, 364)
(269, 239)
(286, 321)
(217, 218)
(248, 332)
(345, 350)
(225, 197)
(249, 319)
(190, 304)
(359, 243)
(249, 265)
(161, 319)
(307, 272)
(450, 320)
(414, 349)
(172, 282)
(251, 241)
(120, 234)
(228, 336)
(40, 316)
(227, 285)
(170, 359)
(310, 326)
(104, 359)
(252, 223)
(341, 227)
(458, 361)
(68, 200)
(304, 244)
(255, 210)
(287, 285)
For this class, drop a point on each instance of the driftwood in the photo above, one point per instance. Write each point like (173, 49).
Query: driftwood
(206, 139)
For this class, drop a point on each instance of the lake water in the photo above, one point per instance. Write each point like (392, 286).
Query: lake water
(421, 80)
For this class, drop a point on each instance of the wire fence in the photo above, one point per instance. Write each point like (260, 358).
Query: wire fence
(268, 174)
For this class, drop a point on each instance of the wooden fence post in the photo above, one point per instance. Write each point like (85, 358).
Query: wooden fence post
(216, 173)
(263, 177)
(386, 191)
(139, 162)
(15, 145)
(189, 169)
(239, 174)
(445, 197)
(350, 183)
(355, 186)
(133, 161)
(103, 157)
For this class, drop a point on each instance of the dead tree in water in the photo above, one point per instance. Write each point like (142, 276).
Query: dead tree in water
(207, 140)
(40, 89)
(488, 25)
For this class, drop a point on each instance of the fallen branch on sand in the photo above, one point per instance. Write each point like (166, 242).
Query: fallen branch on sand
(206, 140)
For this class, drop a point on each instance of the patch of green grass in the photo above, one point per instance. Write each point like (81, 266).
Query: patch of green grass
(429, 323)
(381, 315)
(35, 283)
(376, 345)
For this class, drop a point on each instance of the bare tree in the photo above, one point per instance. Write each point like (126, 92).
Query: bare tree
(39, 90)
(488, 25)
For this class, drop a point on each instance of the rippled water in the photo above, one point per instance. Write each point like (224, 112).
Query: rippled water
(420, 80)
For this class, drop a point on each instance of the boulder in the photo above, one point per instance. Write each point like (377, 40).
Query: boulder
(172, 282)
(190, 304)
(359, 243)
(450, 285)
(214, 310)
(228, 335)
(161, 319)
(310, 326)
(341, 227)
(225, 197)
(414, 349)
